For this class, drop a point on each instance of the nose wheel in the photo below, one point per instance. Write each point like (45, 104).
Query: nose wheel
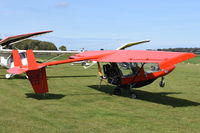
(162, 82)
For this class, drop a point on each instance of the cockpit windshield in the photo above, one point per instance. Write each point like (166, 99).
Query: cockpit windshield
(131, 69)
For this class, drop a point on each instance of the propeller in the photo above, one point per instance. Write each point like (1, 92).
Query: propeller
(131, 44)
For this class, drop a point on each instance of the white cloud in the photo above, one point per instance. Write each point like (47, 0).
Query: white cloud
(62, 4)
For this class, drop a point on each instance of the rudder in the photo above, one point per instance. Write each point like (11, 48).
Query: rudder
(38, 80)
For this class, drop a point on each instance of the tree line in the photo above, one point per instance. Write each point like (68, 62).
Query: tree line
(36, 45)
(193, 50)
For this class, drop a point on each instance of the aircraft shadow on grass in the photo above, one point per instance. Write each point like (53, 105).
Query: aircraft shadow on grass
(15, 77)
(160, 97)
(75, 76)
(48, 96)
(48, 77)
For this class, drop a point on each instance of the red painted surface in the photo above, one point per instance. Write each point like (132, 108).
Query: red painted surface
(38, 80)
(142, 76)
(166, 60)
(32, 65)
(16, 58)
(138, 56)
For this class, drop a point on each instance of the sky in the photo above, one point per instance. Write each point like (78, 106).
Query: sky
(96, 24)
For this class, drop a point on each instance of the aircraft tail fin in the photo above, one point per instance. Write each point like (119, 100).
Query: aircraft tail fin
(32, 64)
(36, 74)
(17, 69)
(38, 80)
(16, 58)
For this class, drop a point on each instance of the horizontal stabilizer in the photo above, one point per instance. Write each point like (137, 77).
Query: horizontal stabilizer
(38, 80)
(16, 70)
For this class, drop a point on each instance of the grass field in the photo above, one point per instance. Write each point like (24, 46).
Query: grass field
(76, 104)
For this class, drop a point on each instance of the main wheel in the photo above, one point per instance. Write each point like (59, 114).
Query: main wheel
(117, 91)
(133, 95)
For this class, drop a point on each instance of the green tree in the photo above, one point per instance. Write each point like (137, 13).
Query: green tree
(62, 48)
(35, 45)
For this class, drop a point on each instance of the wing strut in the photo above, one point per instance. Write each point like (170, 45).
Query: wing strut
(99, 70)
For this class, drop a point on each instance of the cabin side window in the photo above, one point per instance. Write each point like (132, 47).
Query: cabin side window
(9, 60)
(151, 67)
(132, 69)
(129, 69)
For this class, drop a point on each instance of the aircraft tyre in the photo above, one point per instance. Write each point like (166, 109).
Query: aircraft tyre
(133, 95)
(83, 63)
(117, 91)
(8, 76)
(162, 84)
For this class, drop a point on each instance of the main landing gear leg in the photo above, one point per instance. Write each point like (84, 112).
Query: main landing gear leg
(162, 82)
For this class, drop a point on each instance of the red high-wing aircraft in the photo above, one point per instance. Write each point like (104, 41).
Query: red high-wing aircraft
(125, 68)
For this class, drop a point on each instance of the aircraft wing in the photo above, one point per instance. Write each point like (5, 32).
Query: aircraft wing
(131, 44)
(161, 57)
(14, 39)
(165, 59)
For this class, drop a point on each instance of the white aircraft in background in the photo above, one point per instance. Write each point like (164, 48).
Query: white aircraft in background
(6, 58)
